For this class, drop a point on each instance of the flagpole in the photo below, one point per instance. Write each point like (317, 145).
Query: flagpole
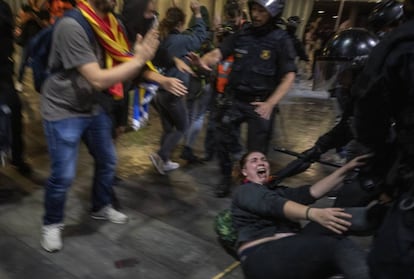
(340, 11)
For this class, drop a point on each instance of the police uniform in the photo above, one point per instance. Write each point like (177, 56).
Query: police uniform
(262, 57)
(384, 122)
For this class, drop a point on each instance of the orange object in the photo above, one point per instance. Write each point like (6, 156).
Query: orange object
(223, 72)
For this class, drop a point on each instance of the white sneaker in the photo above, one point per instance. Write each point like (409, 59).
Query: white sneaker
(110, 214)
(157, 162)
(51, 237)
(170, 165)
(18, 86)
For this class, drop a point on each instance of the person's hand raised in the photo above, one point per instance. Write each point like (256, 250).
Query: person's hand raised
(195, 6)
(145, 48)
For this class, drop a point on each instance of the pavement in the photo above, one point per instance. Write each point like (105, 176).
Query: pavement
(170, 233)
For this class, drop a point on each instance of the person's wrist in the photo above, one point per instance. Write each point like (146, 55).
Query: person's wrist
(307, 213)
(139, 61)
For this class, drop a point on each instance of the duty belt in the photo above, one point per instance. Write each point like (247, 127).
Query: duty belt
(249, 97)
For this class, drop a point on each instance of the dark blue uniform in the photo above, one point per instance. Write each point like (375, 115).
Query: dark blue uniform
(263, 56)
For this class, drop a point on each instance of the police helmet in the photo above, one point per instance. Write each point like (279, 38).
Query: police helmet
(343, 55)
(385, 14)
(353, 44)
(274, 7)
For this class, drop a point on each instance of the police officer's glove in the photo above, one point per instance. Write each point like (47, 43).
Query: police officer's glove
(312, 154)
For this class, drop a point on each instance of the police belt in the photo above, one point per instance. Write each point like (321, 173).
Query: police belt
(248, 97)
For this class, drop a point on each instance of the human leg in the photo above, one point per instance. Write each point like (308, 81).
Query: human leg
(63, 142)
(175, 123)
(259, 129)
(17, 145)
(351, 260)
(229, 117)
(98, 139)
(294, 257)
(197, 109)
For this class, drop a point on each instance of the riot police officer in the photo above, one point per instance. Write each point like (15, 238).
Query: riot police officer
(337, 68)
(384, 123)
(341, 61)
(262, 73)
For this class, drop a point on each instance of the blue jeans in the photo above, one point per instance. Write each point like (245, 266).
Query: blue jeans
(198, 100)
(63, 138)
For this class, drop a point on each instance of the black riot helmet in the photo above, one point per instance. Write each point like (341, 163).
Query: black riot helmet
(343, 56)
(385, 14)
(274, 7)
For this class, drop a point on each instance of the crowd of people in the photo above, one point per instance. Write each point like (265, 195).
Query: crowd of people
(239, 71)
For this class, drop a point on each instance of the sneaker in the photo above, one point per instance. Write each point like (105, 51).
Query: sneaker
(51, 237)
(170, 165)
(18, 86)
(110, 214)
(157, 162)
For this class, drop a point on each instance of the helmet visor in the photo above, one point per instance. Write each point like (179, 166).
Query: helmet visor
(332, 74)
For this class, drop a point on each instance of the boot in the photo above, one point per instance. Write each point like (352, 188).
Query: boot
(188, 155)
(223, 188)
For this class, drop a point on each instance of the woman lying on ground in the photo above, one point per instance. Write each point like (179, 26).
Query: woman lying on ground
(271, 242)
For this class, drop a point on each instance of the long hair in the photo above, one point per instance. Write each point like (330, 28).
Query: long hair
(173, 17)
(132, 17)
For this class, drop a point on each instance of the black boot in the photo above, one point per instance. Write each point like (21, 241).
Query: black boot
(23, 168)
(188, 155)
(223, 188)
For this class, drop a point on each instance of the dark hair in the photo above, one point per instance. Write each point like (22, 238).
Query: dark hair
(172, 18)
(132, 17)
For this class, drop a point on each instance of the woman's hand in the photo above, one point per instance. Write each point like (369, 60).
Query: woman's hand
(174, 86)
(183, 67)
(195, 7)
(333, 219)
(357, 162)
(207, 61)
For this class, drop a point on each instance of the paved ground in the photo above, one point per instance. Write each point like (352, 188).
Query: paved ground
(170, 234)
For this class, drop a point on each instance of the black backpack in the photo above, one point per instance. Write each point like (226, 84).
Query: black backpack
(40, 45)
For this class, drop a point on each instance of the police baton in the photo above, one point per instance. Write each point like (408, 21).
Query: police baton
(301, 156)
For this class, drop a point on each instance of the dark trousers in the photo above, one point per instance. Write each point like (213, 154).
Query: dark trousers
(9, 97)
(231, 117)
(305, 257)
(210, 141)
(392, 255)
(174, 120)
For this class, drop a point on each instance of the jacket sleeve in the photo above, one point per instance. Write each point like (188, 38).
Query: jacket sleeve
(260, 201)
(197, 36)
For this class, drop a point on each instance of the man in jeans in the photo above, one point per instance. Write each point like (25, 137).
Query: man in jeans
(72, 106)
